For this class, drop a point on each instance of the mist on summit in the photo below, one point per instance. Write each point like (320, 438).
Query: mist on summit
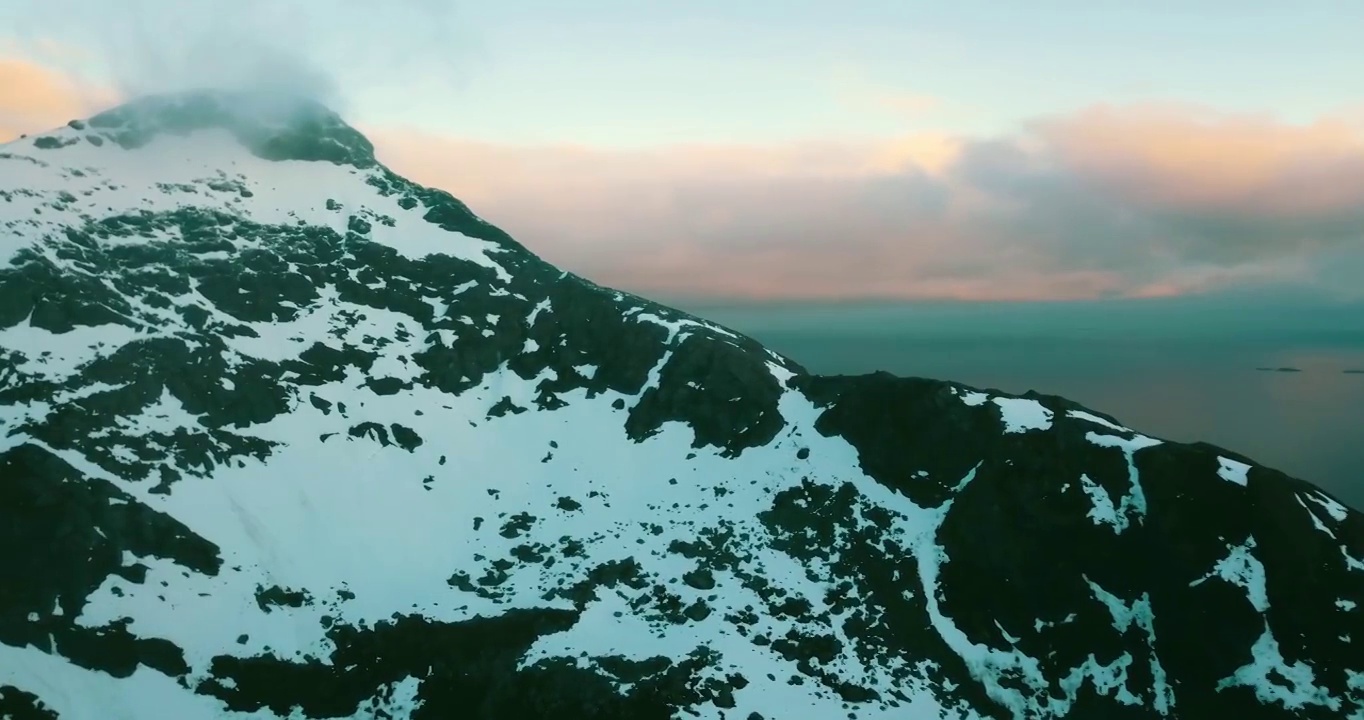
(331, 53)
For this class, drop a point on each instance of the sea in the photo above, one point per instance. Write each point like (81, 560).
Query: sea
(1283, 395)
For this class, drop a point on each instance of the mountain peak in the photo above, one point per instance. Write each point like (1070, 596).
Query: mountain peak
(272, 125)
(284, 439)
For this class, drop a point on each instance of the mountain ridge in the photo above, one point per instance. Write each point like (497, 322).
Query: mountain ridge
(285, 432)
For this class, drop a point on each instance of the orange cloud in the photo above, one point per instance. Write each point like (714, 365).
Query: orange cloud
(1197, 159)
(34, 98)
(1138, 201)
(659, 219)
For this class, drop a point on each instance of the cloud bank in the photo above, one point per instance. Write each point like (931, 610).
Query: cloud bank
(1112, 201)
(1141, 201)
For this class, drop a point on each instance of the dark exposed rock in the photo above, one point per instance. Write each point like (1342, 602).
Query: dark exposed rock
(16, 704)
(61, 536)
(1071, 568)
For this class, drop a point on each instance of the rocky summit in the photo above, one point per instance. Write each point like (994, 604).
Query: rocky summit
(286, 435)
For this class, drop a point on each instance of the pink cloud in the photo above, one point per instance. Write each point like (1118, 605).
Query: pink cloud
(34, 97)
(1141, 201)
(1136, 201)
(1173, 157)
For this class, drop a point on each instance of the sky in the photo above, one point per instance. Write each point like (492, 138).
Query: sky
(803, 150)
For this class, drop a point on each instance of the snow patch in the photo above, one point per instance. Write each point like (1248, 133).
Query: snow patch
(1275, 680)
(1090, 417)
(971, 397)
(1337, 511)
(1132, 507)
(1241, 568)
(1233, 471)
(1021, 414)
(1316, 521)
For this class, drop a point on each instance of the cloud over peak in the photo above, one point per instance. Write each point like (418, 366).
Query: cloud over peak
(324, 52)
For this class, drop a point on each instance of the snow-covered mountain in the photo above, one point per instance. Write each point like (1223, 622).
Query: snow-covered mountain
(285, 435)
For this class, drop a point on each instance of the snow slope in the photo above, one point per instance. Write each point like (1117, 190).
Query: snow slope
(283, 434)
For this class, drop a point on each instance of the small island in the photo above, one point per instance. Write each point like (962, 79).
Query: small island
(1354, 371)
(1280, 369)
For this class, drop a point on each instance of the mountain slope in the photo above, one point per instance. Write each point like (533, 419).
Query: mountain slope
(283, 434)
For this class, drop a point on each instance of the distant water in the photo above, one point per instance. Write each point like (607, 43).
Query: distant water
(1309, 424)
